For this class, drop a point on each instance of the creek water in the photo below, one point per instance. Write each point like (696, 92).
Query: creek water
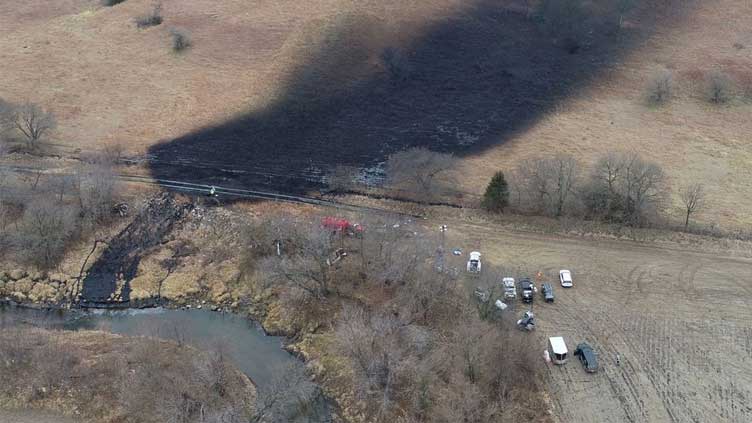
(258, 355)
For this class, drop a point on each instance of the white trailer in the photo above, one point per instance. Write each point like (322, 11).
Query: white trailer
(558, 349)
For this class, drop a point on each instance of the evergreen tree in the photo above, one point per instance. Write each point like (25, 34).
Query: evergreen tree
(496, 197)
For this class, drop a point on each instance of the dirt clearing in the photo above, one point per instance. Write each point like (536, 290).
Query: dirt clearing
(680, 321)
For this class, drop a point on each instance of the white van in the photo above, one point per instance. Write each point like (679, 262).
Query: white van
(558, 349)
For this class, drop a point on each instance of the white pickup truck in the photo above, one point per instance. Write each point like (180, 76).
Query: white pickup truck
(473, 264)
(510, 288)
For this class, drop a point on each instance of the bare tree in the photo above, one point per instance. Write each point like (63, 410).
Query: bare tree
(642, 187)
(278, 400)
(181, 41)
(719, 88)
(370, 343)
(96, 184)
(425, 298)
(659, 87)
(624, 186)
(693, 198)
(416, 170)
(549, 183)
(534, 185)
(156, 388)
(307, 264)
(390, 253)
(33, 122)
(601, 195)
(46, 229)
(564, 172)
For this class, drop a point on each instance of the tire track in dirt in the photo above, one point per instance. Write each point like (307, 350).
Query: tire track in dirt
(687, 275)
(617, 345)
(679, 321)
(628, 399)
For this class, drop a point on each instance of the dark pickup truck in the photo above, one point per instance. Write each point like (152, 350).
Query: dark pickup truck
(528, 289)
(548, 292)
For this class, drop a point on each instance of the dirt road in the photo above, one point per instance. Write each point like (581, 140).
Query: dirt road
(680, 320)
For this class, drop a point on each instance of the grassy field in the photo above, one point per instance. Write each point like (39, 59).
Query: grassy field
(305, 81)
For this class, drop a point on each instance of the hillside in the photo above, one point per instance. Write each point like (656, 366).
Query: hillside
(283, 90)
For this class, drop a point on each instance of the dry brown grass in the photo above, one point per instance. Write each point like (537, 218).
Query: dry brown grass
(695, 142)
(108, 82)
(92, 375)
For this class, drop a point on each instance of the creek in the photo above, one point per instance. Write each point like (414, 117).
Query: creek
(256, 354)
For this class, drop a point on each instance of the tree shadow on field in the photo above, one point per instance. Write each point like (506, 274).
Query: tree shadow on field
(365, 90)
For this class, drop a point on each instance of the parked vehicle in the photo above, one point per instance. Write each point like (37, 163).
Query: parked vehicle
(565, 277)
(528, 289)
(557, 348)
(527, 322)
(587, 357)
(342, 225)
(548, 292)
(474, 264)
(510, 288)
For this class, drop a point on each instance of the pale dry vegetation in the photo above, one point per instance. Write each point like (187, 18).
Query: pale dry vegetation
(719, 88)
(152, 18)
(660, 87)
(111, 378)
(413, 345)
(42, 215)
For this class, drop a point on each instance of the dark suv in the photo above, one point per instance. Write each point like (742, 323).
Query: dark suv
(587, 357)
(527, 289)
(548, 292)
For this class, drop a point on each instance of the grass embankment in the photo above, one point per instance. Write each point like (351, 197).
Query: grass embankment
(101, 377)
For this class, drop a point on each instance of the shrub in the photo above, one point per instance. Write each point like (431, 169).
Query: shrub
(719, 88)
(152, 19)
(496, 197)
(110, 3)
(659, 87)
(45, 233)
(180, 40)
(416, 170)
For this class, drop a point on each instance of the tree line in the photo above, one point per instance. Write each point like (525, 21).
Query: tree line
(621, 187)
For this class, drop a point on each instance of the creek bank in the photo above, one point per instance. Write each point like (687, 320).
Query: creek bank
(230, 324)
(100, 376)
(196, 264)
